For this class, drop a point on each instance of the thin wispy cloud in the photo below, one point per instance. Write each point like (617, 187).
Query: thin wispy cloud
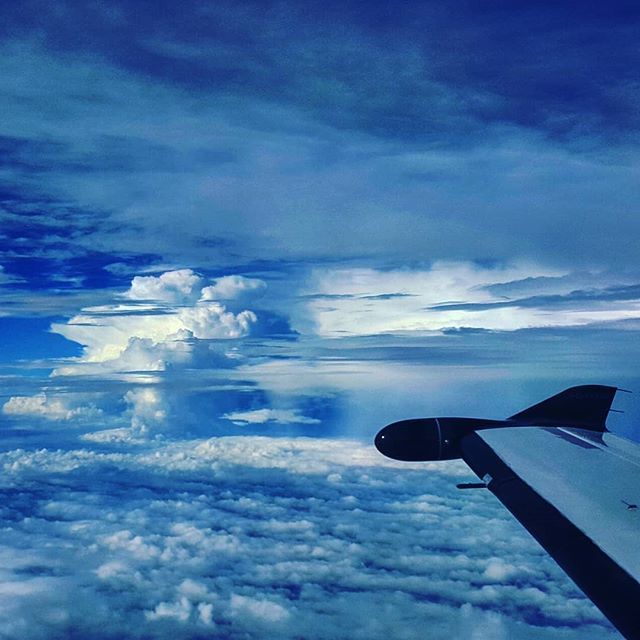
(460, 296)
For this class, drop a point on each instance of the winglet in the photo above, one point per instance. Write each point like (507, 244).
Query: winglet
(586, 407)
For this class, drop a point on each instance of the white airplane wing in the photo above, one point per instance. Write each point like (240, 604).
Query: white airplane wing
(570, 482)
(578, 493)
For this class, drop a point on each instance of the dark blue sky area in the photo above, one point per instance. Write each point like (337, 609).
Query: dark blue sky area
(28, 338)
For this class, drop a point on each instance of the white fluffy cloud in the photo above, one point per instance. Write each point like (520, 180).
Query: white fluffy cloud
(147, 413)
(147, 409)
(212, 320)
(249, 537)
(171, 311)
(43, 406)
(172, 286)
(233, 288)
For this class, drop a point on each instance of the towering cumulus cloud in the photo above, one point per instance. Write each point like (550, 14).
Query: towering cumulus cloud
(159, 322)
(159, 326)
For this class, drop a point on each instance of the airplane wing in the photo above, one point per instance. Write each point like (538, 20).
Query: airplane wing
(577, 492)
(572, 484)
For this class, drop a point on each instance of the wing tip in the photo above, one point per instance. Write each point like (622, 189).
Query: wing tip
(586, 406)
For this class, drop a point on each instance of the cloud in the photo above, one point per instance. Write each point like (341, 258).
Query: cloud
(166, 326)
(169, 317)
(172, 286)
(317, 189)
(563, 284)
(257, 609)
(234, 288)
(301, 60)
(275, 144)
(43, 406)
(460, 295)
(6, 278)
(610, 297)
(212, 320)
(261, 416)
(147, 410)
(248, 537)
(117, 436)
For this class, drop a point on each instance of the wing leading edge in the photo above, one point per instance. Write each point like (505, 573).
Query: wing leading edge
(577, 493)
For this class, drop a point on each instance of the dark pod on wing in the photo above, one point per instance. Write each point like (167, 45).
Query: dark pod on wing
(423, 439)
(583, 407)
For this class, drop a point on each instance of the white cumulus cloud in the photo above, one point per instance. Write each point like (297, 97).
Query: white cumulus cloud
(257, 609)
(43, 406)
(172, 286)
(170, 315)
(212, 320)
(233, 288)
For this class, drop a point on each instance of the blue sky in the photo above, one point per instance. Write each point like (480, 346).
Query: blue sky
(236, 239)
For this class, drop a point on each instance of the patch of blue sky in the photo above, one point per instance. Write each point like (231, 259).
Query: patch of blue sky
(29, 338)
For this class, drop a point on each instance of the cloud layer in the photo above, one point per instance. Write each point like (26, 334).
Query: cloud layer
(247, 537)
(230, 173)
(464, 295)
(49, 408)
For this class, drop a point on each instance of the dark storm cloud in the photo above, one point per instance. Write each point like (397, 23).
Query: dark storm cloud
(308, 133)
(560, 67)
